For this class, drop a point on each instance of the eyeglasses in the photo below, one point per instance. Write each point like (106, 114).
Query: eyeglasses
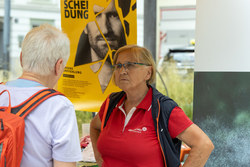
(127, 66)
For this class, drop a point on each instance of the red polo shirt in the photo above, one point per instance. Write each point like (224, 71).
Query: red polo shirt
(130, 140)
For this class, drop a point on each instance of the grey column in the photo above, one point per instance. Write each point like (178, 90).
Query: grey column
(150, 26)
(6, 39)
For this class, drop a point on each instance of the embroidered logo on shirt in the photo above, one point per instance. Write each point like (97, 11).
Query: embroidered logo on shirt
(138, 130)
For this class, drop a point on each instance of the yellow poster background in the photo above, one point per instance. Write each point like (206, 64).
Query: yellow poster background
(79, 83)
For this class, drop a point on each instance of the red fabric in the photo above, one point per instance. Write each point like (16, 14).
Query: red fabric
(84, 141)
(12, 139)
(101, 111)
(178, 122)
(136, 145)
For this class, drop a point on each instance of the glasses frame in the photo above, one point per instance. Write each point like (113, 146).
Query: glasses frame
(124, 65)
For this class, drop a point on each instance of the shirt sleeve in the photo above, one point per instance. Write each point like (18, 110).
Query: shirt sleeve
(178, 122)
(65, 138)
(101, 111)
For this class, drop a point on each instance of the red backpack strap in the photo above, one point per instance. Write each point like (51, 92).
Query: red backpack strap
(111, 102)
(6, 109)
(105, 113)
(28, 105)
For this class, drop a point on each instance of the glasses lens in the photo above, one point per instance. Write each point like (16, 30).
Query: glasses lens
(129, 65)
(117, 66)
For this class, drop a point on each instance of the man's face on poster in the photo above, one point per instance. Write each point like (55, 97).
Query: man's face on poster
(111, 27)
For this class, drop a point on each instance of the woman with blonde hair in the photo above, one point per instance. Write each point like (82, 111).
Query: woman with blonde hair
(140, 127)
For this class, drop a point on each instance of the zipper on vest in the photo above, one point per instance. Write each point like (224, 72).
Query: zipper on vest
(158, 135)
(2, 128)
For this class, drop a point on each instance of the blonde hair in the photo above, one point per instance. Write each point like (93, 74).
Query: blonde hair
(142, 55)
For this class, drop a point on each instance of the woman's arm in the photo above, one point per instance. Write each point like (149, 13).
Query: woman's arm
(200, 144)
(95, 129)
(64, 164)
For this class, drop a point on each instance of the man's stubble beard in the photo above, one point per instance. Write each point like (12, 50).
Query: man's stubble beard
(103, 49)
(100, 51)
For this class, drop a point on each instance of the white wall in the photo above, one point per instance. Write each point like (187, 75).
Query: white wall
(168, 3)
(223, 35)
(140, 22)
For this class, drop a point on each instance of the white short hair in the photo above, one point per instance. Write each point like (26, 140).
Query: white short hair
(42, 47)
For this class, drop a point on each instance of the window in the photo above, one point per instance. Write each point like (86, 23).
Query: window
(38, 22)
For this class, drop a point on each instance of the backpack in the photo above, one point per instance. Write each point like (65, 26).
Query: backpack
(12, 126)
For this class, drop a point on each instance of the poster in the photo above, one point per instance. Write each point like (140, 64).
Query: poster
(96, 29)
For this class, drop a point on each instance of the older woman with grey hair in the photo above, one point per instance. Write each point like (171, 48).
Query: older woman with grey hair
(51, 133)
(140, 127)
